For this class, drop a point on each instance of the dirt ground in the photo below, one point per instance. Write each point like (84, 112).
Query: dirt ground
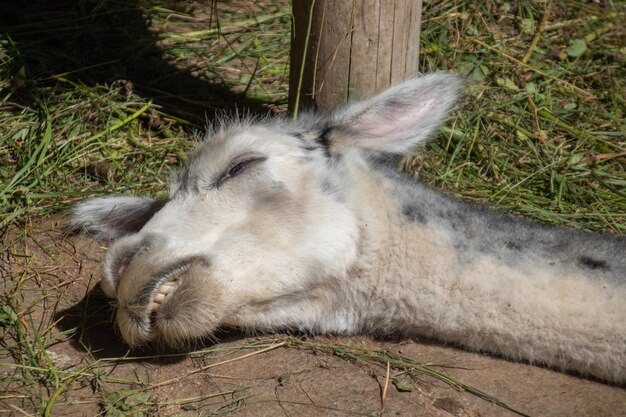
(50, 280)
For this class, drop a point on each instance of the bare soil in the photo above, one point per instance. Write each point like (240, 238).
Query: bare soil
(57, 298)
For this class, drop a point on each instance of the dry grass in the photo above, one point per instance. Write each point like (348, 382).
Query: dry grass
(544, 138)
(106, 96)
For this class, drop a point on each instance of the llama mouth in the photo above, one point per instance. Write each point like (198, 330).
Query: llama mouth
(163, 293)
(147, 306)
(167, 282)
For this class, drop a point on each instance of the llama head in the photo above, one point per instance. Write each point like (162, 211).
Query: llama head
(258, 223)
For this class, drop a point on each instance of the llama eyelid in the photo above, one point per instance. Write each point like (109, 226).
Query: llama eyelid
(237, 167)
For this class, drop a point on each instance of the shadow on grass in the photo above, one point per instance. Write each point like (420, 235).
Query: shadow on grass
(100, 42)
(91, 322)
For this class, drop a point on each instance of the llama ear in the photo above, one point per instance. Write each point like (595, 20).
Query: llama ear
(397, 119)
(112, 217)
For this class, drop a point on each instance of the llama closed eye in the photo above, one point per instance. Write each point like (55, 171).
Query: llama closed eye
(237, 168)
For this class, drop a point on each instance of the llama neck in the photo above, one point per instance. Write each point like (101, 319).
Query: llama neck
(459, 273)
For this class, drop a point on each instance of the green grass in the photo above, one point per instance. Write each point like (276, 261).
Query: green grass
(541, 130)
(107, 96)
(79, 116)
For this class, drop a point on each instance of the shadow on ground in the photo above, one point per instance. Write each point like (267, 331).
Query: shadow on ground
(101, 42)
(91, 323)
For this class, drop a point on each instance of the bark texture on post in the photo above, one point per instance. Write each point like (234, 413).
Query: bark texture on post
(351, 49)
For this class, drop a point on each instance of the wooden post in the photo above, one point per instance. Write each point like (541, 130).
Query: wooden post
(350, 49)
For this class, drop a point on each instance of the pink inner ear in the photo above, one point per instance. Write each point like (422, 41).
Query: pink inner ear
(388, 125)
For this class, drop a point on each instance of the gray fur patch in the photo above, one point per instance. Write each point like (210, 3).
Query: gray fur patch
(330, 188)
(188, 181)
(327, 186)
(278, 185)
(514, 246)
(305, 144)
(593, 263)
(414, 213)
(477, 230)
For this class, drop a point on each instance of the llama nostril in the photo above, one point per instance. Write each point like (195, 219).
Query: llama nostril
(125, 255)
(121, 270)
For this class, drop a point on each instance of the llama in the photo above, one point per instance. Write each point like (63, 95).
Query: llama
(308, 226)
